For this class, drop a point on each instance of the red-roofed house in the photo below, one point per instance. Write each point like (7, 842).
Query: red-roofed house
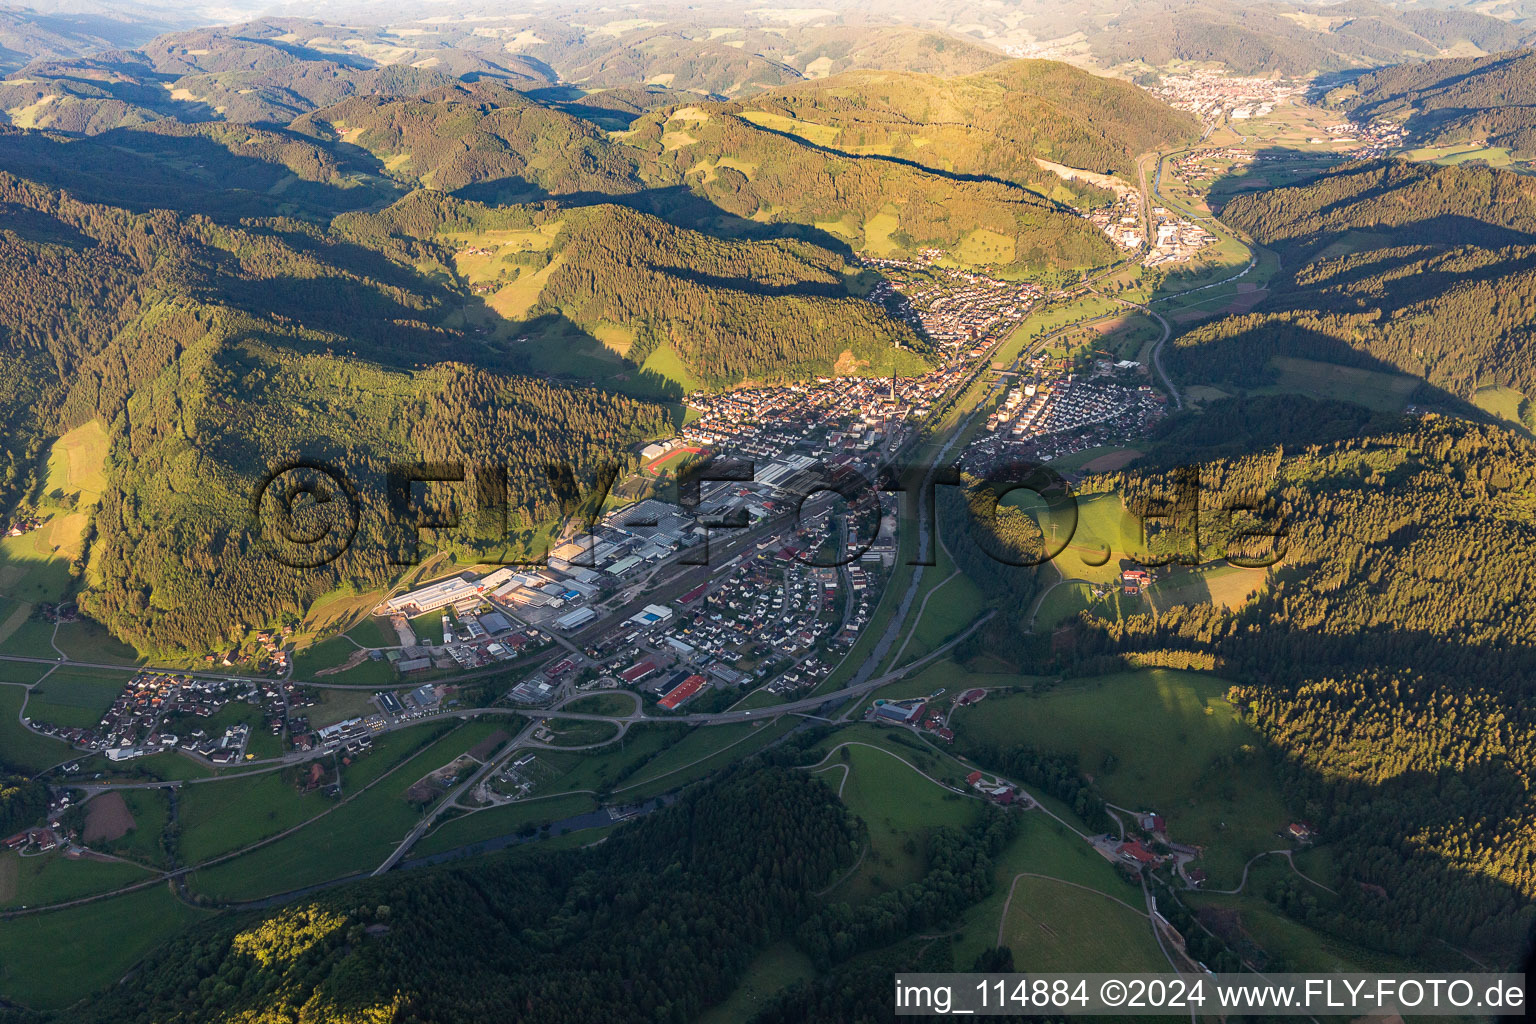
(1136, 853)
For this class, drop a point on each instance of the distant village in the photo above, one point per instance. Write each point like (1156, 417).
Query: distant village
(1213, 95)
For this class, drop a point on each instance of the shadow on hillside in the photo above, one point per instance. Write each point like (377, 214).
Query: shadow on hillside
(910, 164)
(298, 51)
(676, 204)
(1272, 167)
(1237, 354)
(1284, 656)
(1236, 350)
(142, 170)
(551, 346)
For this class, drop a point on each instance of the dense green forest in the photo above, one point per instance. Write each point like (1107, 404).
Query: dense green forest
(22, 801)
(463, 134)
(1490, 99)
(1389, 659)
(1426, 270)
(792, 182)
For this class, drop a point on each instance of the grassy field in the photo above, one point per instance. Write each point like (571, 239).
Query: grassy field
(151, 810)
(1042, 847)
(898, 805)
(771, 971)
(35, 567)
(602, 704)
(320, 661)
(374, 632)
(339, 705)
(1463, 152)
(85, 640)
(666, 364)
(1154, 740)
(598, 769)
(580, 732)
(954, 602)
(75, 696)
(1503, 402)
(1065, 601)
(103, 941)
(54, 878)
(701, 754)
(1056, 927)
(1384, 392)
(1105, 534)
(21, 634)
(218, 817)
(1217, 583)
(1302, 948)
(23, 747)
(500, 821)
(357, 836)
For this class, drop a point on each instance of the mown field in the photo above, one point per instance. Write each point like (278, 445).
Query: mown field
(1053, 926)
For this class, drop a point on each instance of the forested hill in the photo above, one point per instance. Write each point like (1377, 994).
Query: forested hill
(1419, 203)
(733, 310)
(1391, 659)
(272, 70)
(1488, 99)
(1427, 270)
(213, 353)
(1264, 38)
(719, 61)
(463, 134)
(993, 124)
(882, 206)
(657, 923)
(258, 72)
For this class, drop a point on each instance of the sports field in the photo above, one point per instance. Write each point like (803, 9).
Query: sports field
(675, 456)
